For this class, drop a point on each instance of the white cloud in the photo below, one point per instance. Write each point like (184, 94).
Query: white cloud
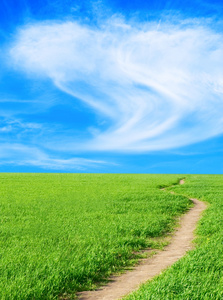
(159, 86)
(19, 129)
(32, 156)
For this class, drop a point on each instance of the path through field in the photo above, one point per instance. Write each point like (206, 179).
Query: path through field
(120, 286)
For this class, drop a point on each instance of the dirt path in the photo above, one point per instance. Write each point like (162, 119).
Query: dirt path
(120, 286)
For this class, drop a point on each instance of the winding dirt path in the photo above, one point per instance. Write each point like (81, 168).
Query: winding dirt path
(120, 286)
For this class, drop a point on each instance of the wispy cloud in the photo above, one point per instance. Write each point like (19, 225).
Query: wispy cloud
(21, 155)
(158, 85)
(16, 130)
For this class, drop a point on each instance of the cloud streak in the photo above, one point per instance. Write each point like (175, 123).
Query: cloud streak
(157, 85)
(21, 155)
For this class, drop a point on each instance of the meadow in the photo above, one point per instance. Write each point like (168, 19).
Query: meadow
(199, 274)
(63, 233)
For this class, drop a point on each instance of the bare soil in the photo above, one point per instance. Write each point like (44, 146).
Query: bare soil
(181, 242)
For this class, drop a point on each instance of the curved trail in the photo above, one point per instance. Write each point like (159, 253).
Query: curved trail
(120, 286)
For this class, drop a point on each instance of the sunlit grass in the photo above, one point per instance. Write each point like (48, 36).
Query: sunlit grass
(61, 233)
(199, 275)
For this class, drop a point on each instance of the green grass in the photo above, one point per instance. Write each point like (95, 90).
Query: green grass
(199, 275)
(61, 233)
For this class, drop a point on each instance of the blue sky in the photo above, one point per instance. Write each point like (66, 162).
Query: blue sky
(111, 86)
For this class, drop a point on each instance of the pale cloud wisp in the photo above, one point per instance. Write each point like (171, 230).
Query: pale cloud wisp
(157, 87)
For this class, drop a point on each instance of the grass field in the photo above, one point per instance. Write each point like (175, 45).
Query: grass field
(60, 233)
(199, 275)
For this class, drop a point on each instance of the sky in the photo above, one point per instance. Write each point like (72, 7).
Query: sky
(111, 86)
